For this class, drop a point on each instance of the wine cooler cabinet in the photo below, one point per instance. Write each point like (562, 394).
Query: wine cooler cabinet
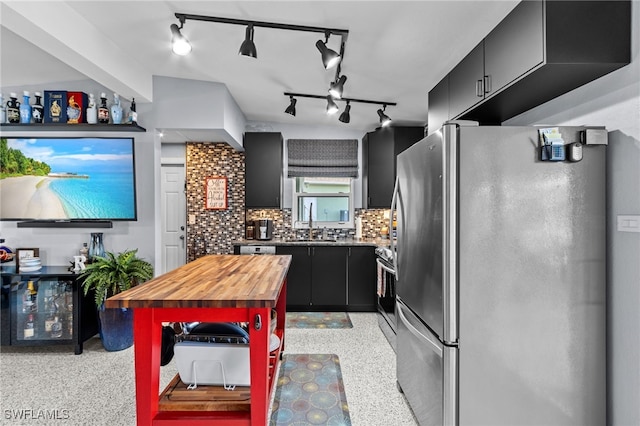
(46, 307)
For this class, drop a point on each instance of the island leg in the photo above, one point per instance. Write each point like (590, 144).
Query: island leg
(147, 340)
(259, 335)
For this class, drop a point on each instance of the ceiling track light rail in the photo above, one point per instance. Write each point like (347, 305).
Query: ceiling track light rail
(345, 117)
(330, 58)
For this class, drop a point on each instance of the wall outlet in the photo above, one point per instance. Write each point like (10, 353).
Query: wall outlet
(192, 219)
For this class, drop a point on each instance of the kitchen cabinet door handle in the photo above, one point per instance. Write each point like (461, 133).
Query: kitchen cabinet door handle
(479, 91)
(487, 83)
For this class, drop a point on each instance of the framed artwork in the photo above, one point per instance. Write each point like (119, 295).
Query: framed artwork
(23, 254)
(215, 193)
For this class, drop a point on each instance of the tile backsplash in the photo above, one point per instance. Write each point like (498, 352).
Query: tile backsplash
(214, 231)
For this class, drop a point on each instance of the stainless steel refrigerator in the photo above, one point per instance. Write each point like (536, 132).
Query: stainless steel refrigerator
(501, 262)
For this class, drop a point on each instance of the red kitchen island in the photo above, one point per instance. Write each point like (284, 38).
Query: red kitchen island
(215, 288)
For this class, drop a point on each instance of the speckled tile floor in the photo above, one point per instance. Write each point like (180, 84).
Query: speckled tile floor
(52, 386)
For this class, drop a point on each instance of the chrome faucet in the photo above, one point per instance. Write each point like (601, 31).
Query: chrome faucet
(311, 221)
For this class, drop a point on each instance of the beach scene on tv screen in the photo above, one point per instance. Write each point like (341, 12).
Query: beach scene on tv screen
(65, 179)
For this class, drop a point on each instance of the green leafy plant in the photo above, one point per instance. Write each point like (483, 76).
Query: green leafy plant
(115, 273)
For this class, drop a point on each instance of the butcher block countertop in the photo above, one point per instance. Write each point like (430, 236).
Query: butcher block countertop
(214, 281)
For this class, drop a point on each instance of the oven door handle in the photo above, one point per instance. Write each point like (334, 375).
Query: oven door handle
(385, 267)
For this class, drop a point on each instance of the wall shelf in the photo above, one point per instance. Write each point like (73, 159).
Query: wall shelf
(80, 127)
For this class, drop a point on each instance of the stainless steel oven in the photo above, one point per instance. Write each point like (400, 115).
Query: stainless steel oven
(386, 294)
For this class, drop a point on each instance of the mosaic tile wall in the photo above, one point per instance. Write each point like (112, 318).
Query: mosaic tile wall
(214, 230)
(372, 222)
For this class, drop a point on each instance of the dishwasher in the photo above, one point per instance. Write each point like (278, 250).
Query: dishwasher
(257, 249)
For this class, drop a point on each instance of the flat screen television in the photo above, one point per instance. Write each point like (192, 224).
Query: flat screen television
(55, 179)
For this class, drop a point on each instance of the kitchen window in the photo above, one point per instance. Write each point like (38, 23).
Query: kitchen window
(329, 200)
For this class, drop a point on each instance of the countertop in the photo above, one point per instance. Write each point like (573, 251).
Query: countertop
(213, 281)
(373, 242)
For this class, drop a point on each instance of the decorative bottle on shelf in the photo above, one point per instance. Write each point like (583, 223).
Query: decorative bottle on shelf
(25, 109)
(84, 250)
(92, 110)
(133, 115)
(30, 298)
(3, 111)
(103, 110)
(13, 109)
(96, 249)
(38, 108)
(116, 110)
(29, 328)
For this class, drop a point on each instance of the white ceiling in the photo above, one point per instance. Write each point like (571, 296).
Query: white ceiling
(396, 51)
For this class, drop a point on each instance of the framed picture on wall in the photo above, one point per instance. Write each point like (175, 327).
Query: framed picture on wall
(25, 254)
(215, 193)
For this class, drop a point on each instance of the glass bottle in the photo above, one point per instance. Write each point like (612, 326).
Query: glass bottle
(30, 297)
(25, 109)
(29, 328)
(92, 110)
(13, 109)
(56, 328)
(103, 110)
(3, 111)
(116, 110)
(133, 115)
(38, 108)
(84, 251)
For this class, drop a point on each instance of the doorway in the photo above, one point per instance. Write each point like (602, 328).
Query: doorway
(174, 224)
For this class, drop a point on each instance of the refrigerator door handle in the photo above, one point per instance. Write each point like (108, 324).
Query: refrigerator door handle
(434, 346)
(394, 200)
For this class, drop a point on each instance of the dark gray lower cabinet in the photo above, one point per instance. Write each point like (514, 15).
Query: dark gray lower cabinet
(330, 278)
(299, 277)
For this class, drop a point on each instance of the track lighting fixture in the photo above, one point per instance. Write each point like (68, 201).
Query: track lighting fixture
(345, 117)
(248, 48)
(332, 108)
(291, 109)
(384, 118)
(337, 87)
(179, 43)
(330, 58)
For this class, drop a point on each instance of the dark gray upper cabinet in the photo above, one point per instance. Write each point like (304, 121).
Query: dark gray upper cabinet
(514, 47)
(439, 104)
(541, 50)
(263, 169)
(380, 149)
(465, 82)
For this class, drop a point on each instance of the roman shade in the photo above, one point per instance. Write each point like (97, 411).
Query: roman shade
(322, 157)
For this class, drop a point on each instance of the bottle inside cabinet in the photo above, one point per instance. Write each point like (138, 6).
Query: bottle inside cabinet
(45, 310)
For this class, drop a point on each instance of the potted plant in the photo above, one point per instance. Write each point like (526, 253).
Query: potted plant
(110, 275)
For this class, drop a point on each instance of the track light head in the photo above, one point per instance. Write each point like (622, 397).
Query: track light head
(330, 58)
(384, 118)
(337, 87)
(291, 109)
(248, 48)
(179, 43)
(345, 117)
(332, 108)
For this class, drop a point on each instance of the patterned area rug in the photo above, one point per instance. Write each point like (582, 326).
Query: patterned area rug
(310, 391)
(318, 320)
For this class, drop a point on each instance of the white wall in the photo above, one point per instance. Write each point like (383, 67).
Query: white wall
(614, 101)
(58, 245)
